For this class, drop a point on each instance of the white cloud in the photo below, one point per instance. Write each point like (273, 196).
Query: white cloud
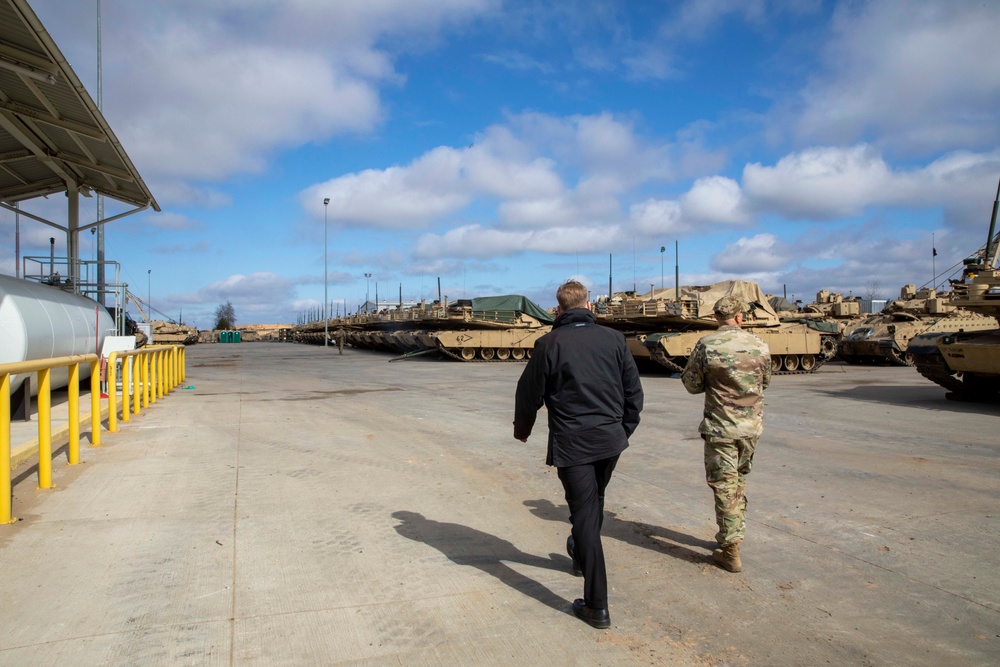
(657, 217)
(254, 289)
(715, 199)
(760, 253)
(472, 241)
(210, 88)
(921, 76)
(819, 183)
(526, 167)
(393, 198)
(829, 182)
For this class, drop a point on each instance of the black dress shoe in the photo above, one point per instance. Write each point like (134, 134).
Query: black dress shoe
(598, 618)
(571, 550)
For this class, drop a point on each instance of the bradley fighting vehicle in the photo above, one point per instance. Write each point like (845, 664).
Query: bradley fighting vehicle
(968, 362)
(493, 328)
(883, 338)
(831, 313)
(665, 326)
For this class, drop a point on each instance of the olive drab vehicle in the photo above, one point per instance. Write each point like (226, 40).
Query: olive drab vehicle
(666, 324)
(883, 338)
(968, 363)
(493, 328)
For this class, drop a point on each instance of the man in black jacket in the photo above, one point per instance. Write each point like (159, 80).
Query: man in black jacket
(587, 379)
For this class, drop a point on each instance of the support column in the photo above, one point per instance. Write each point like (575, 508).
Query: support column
(73, 235)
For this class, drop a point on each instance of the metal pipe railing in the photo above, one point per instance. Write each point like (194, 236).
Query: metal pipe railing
(43, 368)
(166, 371)
(149, 372)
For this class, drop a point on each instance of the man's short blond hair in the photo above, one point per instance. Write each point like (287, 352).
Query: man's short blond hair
(572, 294)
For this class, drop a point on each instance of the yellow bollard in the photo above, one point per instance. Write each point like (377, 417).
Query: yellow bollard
(126, 387)
(112, 393)
(136, 383)
(95, 403)
(159, 374)
(5, 490)
(73, 448)
(145, 379)
(44, 430)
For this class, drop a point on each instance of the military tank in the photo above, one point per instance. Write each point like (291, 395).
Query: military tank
(883, 338)
(665, 325)
(492, 328)
(968, 362)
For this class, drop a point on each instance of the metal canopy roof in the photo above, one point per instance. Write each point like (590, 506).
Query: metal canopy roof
(53, 138)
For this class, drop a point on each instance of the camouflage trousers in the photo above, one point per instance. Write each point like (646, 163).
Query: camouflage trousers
(727, 464)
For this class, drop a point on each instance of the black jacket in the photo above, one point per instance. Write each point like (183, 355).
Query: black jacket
(587, 379)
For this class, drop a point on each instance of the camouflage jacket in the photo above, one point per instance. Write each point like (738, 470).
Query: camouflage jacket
(732, 367)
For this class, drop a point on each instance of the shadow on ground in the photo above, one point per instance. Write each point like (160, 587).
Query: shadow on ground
(931, 397)
(489, 553)
(656, 538)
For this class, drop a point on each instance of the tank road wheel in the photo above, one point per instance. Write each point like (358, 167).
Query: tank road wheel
(468, 353)
(776, 362)
(807, 362)
(517, 354)
(503, 353)
(528, 353)
(486, 353)
(791, 362)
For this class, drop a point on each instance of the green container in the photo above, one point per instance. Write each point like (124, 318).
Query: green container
(236, 336)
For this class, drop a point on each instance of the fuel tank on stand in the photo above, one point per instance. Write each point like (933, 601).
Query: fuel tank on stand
(41, 321)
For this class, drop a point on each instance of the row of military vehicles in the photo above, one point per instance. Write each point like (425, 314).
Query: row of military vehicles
(953, 339)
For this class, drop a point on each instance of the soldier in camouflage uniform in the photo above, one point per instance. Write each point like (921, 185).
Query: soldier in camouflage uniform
(732, 367)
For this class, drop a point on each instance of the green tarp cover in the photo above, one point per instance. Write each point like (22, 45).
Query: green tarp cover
(511, 303)
(820, 325)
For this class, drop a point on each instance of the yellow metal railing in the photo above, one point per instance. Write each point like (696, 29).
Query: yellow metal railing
(160, 368)
(146, 374)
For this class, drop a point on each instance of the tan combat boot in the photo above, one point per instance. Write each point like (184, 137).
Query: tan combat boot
(728, 557)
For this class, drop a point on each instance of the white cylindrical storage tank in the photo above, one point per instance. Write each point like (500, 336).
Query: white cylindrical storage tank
(41, 321)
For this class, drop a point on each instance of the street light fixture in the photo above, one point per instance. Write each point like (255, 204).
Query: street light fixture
(326, 320)
(367, 307)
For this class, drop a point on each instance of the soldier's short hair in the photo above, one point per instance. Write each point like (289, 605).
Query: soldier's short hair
(729, 307)
(571, 294)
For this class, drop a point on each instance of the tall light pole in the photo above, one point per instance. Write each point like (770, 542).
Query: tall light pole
(149, 292)
(662, 249)
(326, 320)
(367, 277)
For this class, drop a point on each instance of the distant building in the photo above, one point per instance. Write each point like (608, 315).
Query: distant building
(873, 305)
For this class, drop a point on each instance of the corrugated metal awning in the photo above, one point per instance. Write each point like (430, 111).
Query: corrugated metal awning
(52, 135)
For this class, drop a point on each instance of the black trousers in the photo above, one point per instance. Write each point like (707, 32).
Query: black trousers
(584, 486)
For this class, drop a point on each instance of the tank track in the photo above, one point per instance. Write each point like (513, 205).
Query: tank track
(478, 359)
(933, 367)
(896, 358)
(660, 358)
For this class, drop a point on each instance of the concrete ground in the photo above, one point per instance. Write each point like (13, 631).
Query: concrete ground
(299, 507)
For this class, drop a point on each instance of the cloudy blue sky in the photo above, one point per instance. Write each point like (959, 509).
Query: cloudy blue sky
(505, 146)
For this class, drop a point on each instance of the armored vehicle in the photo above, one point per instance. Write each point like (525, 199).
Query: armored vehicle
(493, 328)
(883, 338)
(831, 314)
(666, 325)
(968, 362)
